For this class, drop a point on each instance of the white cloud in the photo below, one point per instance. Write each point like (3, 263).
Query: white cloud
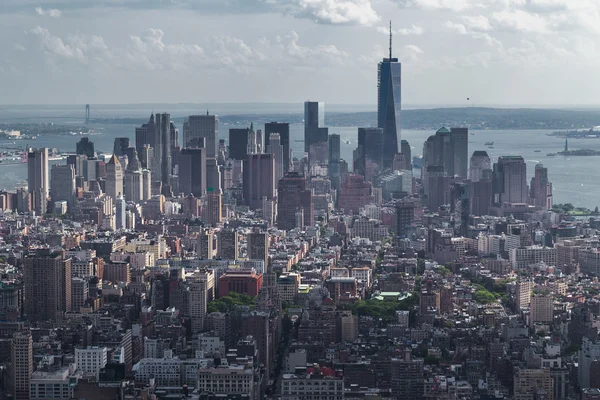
(477, 22)
(50, 12)
(452, 5)
(412, 52)
(413, 30)
(519, 20)
(19, 47)
(458, 28)
(349, 12)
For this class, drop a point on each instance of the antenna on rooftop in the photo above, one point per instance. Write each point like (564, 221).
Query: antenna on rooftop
(390, 39)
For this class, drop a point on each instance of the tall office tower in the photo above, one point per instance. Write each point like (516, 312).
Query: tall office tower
(541, 308)
(534, 384)
(407, 153)
(258, 246)
(371, 141)
(146, 184)
(213, 210)
(541, 188)
(133, 182)
(213, 175)
(80, 290)
(335, 154)
(37, 178)
(523, 291)
(481, 194)
(63, 184)
(276, 149)
(238, 143)
(460, 145)
(510, 180)
(202, 126)
(85, 147)
(145, 156)
(114, 178)
(174, 140)
(355, 194)
(120, 212)
(227, 244)
(251, 147)
(293, 196)
(145, 135)
(439, 187)
(120, 146)
(163, 133)
(449, 149)
(314, 124)
(479, 161)
(259, 179)
(204, 244)
(283, 129)
(197, 304)
(192, 171)
(405, 216)
(47, 285)
(259, 141)
(389, 104)
(21, 365)
(78, 162)
(460, 206)
(407, 377)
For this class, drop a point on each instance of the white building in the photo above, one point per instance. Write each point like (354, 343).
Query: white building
(589, 352)
(309, 386)
(170, 371)
(91, 360)
(524, 257)
(138, 260)
(54, 383)
(232, 379)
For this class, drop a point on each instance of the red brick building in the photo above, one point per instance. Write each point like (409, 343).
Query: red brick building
(246, 282)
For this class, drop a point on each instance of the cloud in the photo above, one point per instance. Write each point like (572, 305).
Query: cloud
(50, 12)
(451, 5)
(412, 52)
(19, 47)
(150, 51)
(519, 20)
(348, 12)
(413, 30)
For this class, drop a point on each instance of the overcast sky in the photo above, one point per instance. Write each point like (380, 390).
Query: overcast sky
(499, 52)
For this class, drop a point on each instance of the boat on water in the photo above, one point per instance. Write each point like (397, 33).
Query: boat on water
(537, 151)
(551, 155)
(489, 143)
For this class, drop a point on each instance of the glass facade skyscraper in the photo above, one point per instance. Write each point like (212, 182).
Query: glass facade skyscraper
(389, 105)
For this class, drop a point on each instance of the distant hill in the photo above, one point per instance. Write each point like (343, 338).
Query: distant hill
(430, 119)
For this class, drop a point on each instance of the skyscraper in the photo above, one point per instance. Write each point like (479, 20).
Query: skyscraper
(439, 187)
(314, 124)
(47, 285)
(114, 178)
(163, 133)
(37, 178)
(293, 196)
(407, 377)
(370, 143)
(213, 207)
(541, 188)
(389, 104)
(258, 246)
(259, 179)
(252, 146)
(192, 171)
(460, 146)
(204, 244)
(63, 184)
(21, 366)
(85, 147)
(276, 149)
(133, 181)
(202, 126)
(334, 148)
(479, 161)
(283, 128)
(449, 149)
(481, 194)
(238, 143)
(121, 144)
(405, 216)
(213, 175)
(145, 135)
(227, 248)
(406, 151)
(510, 180)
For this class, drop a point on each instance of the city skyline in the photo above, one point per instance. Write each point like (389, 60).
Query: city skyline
(493, 52)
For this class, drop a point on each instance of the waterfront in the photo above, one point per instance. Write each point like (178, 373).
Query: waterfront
(571, 181)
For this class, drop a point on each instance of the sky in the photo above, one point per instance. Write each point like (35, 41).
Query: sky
(495, 52)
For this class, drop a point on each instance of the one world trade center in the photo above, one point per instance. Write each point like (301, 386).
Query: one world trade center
(389, 104)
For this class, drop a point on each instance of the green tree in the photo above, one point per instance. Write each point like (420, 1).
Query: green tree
(483, 296)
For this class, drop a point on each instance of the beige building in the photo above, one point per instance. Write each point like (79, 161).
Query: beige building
(532, 384)
(237, 379)
(541, 308)
(21, 366)
(523, 293)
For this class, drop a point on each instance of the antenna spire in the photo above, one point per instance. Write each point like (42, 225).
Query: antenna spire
(390, 40)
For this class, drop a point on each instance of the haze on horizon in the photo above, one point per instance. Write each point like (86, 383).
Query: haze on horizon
(498, 52)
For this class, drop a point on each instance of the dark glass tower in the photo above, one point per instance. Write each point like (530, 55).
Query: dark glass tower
(283, 128)
(389, 104)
